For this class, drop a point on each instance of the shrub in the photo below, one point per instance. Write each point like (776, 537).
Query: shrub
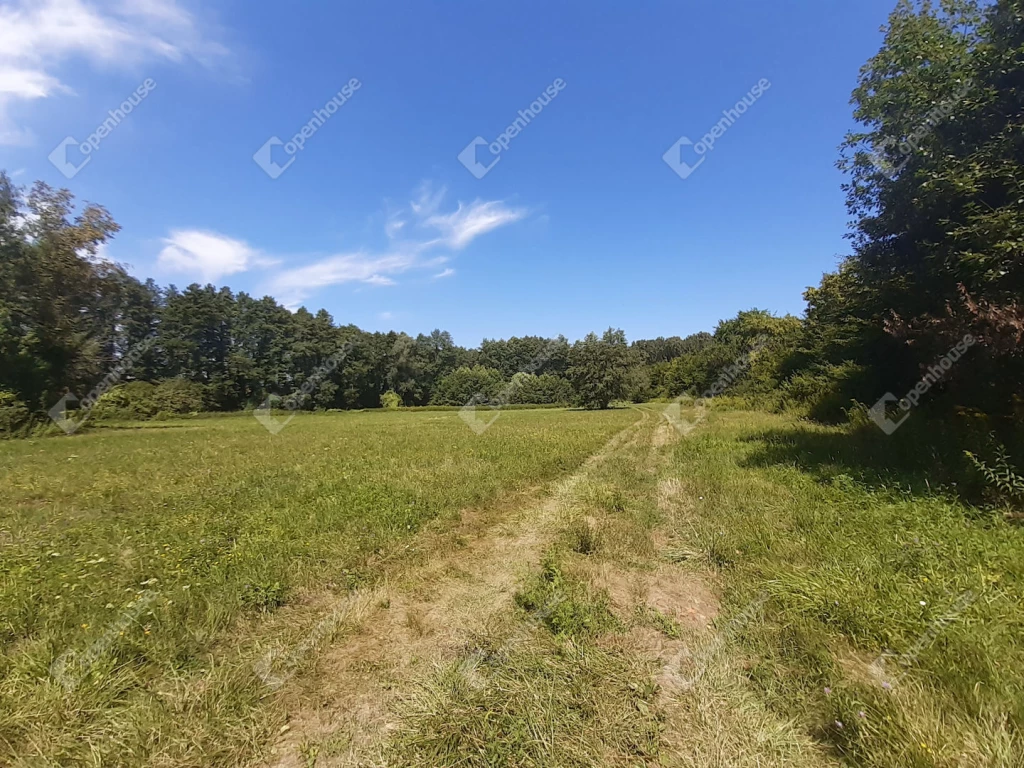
(825, 394)
(14, 414)
(180, 396)
(127, 401)
(546, 389)
(462, 384)
(1005, 484)
(390, 400)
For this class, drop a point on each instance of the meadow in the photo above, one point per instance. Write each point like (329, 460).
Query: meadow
(181, 536)
(759, 592)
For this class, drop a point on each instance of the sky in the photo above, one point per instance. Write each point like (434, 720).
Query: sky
(490, 169)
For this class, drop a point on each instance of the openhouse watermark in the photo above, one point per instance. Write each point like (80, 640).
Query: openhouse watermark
(468, 156)
(59, 412)
(471, 411)
(59, 156)
(879, 157)
(265, 413)
(879, 412)
(673, 156)
(264, 156)
(70, 668)
(908, 658)
(727, 377)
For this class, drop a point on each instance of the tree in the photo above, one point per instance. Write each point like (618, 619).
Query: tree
(57, 318)
(935, 189)
(600, 368)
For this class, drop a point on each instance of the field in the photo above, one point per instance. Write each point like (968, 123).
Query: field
(568, 588)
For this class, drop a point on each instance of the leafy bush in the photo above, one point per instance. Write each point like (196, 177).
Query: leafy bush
(127, 401)
(14, 414)
(546, 389)
(462, 384)
(390, 400)
(1004, 482)
(825, 393)
(180, 396)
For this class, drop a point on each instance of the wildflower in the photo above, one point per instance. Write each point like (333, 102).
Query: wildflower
(861, 714)
(839, 723)
(828, 690)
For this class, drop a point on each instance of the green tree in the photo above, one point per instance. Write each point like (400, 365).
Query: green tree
(935, 186)
(600, 369)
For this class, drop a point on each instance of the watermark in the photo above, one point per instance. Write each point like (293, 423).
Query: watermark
(468, 156)
(908, 658)
(704, 656)
(674, 410)
(264, 155)
(470, 665)
(59, 155)
(277, 665)
(60, 412)
(265, 413)
(673, 156)
(472, 412)
(879, 155)
(70, 668)
(879, 412)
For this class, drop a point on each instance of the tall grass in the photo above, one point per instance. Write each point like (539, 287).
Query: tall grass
(148, 560)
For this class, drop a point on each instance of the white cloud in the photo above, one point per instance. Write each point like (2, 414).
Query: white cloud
(207, 256)
(39, 37)
(210, 256)
(462, 226)
(293, 286)
(427, 231)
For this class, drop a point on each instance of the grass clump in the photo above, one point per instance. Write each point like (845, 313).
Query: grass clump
(542, 700)
(584, 537)
(565, 605)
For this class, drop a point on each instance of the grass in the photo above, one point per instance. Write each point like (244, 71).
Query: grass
(147, 562)
(762, 592)
(827, 547)
(858, 558)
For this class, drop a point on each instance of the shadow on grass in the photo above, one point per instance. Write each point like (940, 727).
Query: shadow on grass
(923, 459)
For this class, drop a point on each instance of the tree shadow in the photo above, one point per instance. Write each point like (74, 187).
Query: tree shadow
(925, 459)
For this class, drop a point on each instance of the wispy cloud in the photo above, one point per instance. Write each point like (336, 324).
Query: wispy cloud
(462, 226)
(39, 37)
(208, 256)
(415, 233)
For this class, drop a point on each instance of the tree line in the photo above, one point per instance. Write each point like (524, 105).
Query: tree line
(934, 185)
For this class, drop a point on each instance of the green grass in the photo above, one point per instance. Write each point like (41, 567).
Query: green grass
(190, 536)
(157, 557)
(857, 557)
(827, 549)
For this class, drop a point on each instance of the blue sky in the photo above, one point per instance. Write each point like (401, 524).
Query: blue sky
(579, 224)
